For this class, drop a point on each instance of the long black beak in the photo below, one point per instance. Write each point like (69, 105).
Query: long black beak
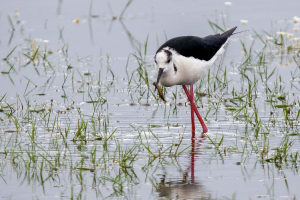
(160, 71)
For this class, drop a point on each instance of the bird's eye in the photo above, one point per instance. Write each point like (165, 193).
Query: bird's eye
(169, 60)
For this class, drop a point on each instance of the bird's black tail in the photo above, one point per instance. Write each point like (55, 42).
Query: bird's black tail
(228, 33)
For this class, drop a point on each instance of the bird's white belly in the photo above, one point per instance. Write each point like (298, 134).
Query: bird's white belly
(189, 71)
(190, 75)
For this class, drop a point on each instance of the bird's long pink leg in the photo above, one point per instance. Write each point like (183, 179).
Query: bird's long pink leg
(195, 109)
(192, 111)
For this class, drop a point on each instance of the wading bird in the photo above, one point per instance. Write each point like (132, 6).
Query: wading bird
(184, 60)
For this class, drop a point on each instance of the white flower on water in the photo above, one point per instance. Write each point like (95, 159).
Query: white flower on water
(46, 42)
(289, 35)
(280, 33)
(270, 38)
(296, 29)
(228, 4)
(76, 21)
(296, 19)
(16, 13)
(244, 22)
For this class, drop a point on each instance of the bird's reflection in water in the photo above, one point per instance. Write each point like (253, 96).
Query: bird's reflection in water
(182, 189)
(186, 187)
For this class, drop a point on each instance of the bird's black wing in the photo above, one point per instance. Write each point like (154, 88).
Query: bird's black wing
(197, 47)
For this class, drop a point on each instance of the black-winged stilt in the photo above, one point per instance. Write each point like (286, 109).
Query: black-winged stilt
(184, 60)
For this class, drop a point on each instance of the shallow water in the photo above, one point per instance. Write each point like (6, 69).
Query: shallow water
(83, 122)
